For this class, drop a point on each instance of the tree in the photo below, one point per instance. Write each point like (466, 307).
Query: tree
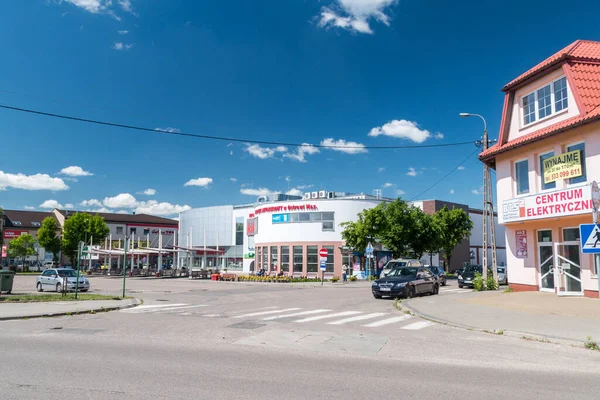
(82, 227)
(47, 237)
(454, 226)
(400, 227)
(369, 225)
(425, 235)
(1, 234)
(21, 247)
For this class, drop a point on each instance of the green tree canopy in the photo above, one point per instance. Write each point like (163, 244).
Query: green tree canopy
(400, 228)
(47, 237)
(21, 247)
(454, 226)
(82, 227)
(369, 225)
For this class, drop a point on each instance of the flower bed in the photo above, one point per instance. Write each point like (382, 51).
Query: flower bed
(279, 279)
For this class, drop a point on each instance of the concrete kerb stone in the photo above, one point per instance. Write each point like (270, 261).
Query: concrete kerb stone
(135, 302)
(515, 334)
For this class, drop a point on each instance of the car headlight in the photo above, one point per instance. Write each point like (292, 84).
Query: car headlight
(374, 283)
(401, 284)
(460, 277)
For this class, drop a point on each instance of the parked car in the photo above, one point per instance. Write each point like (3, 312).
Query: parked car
(406, 282)
(460, 270)
(502, 276)
(48, 264)
(440, 274)
(397, 264)
(54, 278)
(468, 275)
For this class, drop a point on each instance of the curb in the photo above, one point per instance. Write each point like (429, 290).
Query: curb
(536, 337)
(136, 303)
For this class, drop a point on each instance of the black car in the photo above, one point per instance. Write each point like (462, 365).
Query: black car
(439, 273)
(406, 282)
(468, 275)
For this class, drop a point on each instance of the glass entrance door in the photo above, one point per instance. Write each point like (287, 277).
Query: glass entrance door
(568, 267)
(546, 260)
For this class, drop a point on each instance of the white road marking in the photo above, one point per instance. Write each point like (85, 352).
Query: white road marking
(266, 312)
(340, 314)
(157, 310)
(357, 318)
(453, 290)
(417, 325)
(388, 321)
(296, 314)
(155, 306)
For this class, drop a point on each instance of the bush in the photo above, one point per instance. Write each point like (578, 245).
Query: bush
(353, 278)
(478, 282)
(491, 284)
(372, 278)
(335, 279)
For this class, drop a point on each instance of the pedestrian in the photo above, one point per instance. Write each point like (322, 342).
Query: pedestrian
(345, 273)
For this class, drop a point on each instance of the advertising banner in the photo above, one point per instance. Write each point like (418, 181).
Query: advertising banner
(4, 251)
(13, 233)
(563, 166)
(521, 239)
(280, 218)
(251, 226)
(560, 203)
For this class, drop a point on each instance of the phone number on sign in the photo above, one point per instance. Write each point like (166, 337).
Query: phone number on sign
(566, 174)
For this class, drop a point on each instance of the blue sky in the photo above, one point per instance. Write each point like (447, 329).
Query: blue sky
(367, 72)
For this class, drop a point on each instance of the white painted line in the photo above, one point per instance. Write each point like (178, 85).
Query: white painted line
(453, 290)
(174, 308)
(295, 314)
(357, 318)
(156, 306)
(417, 325)
(266, 312)
(340, 314)
(388, 321)
(251, 310)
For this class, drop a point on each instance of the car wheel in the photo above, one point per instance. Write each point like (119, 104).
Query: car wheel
(436, 289)
(39, 287)
(84, 290)
(58, 287)
(444, 282)
(460, 285)
(411, 292)
(377, 296)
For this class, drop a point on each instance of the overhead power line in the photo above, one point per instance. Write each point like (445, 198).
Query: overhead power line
(224, 138)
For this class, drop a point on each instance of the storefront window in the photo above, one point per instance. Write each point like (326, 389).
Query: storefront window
(285, 258)
(239, 230)
(265, 263)
(330, 258)
(312, 258)
(546, 186)
(298, 259)
(274, 259)
(545, 236)
(259, 257)
(582, 178)
(571, 235)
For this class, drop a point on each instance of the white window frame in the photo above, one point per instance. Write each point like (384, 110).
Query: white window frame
(516, 188)
(553, 111)
(562, 232)
(566, 149)
(541, 173)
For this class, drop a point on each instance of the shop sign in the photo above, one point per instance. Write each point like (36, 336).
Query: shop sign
(521, 239)
(13, 234)
(563, 166)
(251, 227)
(248, 255)
(282, 208)
(560, 203)
(164, 232)
(280, 218)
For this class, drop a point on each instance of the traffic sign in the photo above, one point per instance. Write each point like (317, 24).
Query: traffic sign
(323, 264)
(369, 250)
(323, 253)
(590, 238)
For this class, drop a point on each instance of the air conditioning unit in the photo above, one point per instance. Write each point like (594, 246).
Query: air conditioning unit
(306, 195)
(330, 195)
(314, 195)
(261, 199)
(322, 194)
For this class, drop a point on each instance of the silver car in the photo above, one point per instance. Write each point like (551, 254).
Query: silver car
(398, 263)
(55, 278)
(502, 277)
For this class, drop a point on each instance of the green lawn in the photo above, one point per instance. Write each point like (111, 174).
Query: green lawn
(36, 298)
(28, 273)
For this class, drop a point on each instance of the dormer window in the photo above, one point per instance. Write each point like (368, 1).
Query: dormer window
(545, 101)
(17, 223)
(36, 224)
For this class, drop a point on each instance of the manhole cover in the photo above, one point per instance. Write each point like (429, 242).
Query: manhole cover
(246, 325)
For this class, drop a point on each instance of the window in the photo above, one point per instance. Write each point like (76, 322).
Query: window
(522, 176)
(330, 258)
(315, 216)
(259, 257)
(546, 186)
(583, 177)
(327, 216)
(239, 231)
(571, 235)
(529, 108)
(285, 258)
(265, 262)
(133, 230)
(328, 226)
(36, 224)
(560, 94)
(298, 259)
(304, 217)
(119, 230)
(545, 236)
(547, 100)
(294, 217)
(312, 258)
(274, 259)
(146, 231)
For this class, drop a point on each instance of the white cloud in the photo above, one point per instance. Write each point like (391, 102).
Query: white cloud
(258, 192)
(295, 192)
(233, 179)
(354, 15)
(288, 179)
(153, 207)
(461, 168)
(400, 192)
(123, 32)
(29, 208)
(168, 129)
(122, 200)
(100, 210)
(202, 182)
(125, 5)
(74, 170)
(91, 203)
(380, 169)
(401, 129)
(69, 206)
(412, 172)
(439, 135)
(302, 151)
(343, 146)
(388, 185)
(51, 204)
(263, 152)
(475, 192)
(122, 46)
(93, 6)
(31, 182)
(451, 191)
(229, 144)
(148, 192)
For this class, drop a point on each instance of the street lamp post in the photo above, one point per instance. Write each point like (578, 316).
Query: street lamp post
(489, 223)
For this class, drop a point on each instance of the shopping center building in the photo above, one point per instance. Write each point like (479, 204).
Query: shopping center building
(546, 158)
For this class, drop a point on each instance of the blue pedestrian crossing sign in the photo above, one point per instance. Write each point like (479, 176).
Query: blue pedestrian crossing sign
(323, 264)
(590, 238)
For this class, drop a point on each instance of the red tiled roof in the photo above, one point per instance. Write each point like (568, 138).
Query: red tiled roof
(581, 64)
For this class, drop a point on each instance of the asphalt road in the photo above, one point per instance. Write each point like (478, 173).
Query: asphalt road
(208, 340)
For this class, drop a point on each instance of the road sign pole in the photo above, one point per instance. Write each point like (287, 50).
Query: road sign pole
(78, 266)
(125, 266)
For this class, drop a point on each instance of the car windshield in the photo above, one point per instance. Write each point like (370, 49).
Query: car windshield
(405, 271)
(501, 270)
(474, 268)
(66, 272)
(395, 264)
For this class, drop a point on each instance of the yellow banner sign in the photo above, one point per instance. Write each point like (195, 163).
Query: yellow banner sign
(563, 166)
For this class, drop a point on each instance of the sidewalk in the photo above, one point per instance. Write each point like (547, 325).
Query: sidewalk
(532, 314)
(10, 311)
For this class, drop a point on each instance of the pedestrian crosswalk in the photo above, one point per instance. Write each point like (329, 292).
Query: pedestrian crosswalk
(293, 315)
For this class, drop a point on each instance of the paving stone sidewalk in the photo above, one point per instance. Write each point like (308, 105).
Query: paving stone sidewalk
(10, 311)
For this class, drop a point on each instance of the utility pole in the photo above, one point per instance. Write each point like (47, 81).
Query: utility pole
(125, 264)
(1, 234)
